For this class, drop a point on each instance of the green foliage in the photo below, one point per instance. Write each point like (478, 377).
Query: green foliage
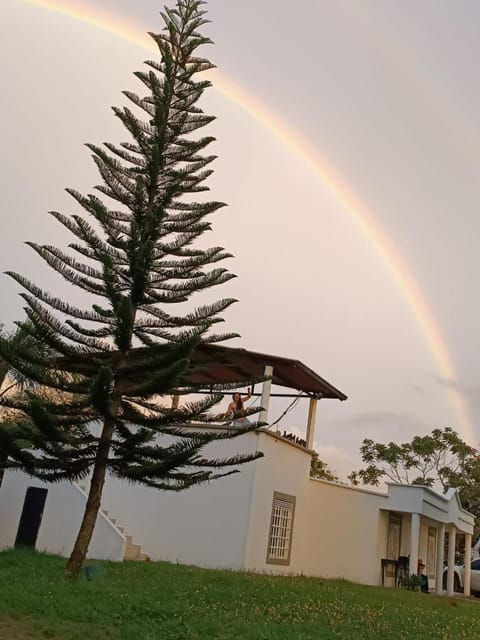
(134, 251)
(412, 583)
(319, 469)
(137, 259)
(11, 378)
(441, 459)
(159, 601)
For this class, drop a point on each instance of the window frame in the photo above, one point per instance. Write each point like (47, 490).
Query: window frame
(394, 523)
(291, 500)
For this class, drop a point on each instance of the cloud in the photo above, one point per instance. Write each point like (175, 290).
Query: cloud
(470, 392)
(386, 421)
(421, 391)
(339, 461)
(381, 426)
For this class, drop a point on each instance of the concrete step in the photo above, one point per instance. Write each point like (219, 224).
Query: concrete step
(143, 557)
(132, 552)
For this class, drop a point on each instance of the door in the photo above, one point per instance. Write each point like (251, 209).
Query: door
(31, 517)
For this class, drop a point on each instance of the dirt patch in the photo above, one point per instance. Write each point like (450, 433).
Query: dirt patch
(11, 629)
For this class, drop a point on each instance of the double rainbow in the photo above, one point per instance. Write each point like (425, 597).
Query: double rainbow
(311, 157)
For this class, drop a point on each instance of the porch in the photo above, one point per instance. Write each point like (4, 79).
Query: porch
(419, 522)
(271, 378)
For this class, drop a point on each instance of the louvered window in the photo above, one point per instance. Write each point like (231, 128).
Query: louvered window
(281, 529)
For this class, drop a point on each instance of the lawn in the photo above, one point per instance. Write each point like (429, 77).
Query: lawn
(150, 601)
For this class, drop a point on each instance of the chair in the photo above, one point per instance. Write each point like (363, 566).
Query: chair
(403, 570)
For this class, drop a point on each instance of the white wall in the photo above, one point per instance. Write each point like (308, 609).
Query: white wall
(342, 534)
(285, 469)
(338, 531)
(61, 519)
(205, 525)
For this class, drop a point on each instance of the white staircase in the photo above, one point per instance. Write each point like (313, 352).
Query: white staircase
(132, 551)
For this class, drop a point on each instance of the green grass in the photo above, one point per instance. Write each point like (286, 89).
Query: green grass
(150, 601)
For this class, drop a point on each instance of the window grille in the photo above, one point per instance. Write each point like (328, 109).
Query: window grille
(393, 542)
(393, 539)
(281, 529)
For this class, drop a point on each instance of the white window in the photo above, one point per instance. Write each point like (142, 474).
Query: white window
(393, 542)
(281, 529)
(393, 539)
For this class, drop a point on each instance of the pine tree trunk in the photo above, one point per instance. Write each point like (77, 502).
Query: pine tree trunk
(92, 507)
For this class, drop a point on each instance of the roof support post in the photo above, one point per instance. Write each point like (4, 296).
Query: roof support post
(439, 563)
(468, 561)
(452, 536)
(312, 415)
(266, 388)
(414, 541)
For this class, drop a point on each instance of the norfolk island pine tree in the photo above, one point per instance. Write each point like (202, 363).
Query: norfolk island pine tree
(111, 362)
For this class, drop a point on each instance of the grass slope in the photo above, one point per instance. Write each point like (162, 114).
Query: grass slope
(150, 601)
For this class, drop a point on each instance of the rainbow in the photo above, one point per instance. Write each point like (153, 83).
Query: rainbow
(320, 166)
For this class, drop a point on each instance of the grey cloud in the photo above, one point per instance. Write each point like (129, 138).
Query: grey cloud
(385, 425)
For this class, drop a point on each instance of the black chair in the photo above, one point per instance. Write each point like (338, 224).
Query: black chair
(403, 570)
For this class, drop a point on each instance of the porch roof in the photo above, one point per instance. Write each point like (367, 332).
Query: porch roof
(227, 365)
(445, 508)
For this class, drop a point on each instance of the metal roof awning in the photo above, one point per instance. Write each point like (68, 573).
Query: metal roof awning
(227, 365)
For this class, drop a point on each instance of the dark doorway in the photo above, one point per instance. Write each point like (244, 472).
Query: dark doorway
(31, 517)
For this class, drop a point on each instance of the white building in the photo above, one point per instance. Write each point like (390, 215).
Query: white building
(270, 517)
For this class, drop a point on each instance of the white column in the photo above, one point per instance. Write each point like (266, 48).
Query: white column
(414, 542)
(312, 415)
(452, 536)
(265, 401)
(468, 560)
(440, 553)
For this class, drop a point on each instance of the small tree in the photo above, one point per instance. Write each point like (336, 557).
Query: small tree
(441, 459)
(319, 469)
(108, 365)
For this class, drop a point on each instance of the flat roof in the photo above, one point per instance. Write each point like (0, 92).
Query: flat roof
(219, 364)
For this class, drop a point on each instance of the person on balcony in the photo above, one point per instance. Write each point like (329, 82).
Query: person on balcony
(236, 409)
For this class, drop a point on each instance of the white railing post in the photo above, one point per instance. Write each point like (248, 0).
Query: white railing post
(266, 388)
(312, 415)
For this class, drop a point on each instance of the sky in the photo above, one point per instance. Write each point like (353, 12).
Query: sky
(349, 144)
